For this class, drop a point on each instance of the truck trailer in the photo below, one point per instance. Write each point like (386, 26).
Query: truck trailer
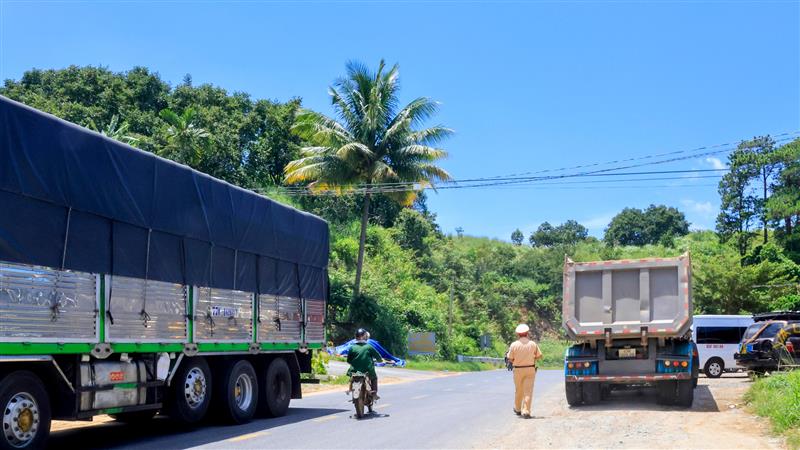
(131, 285)
(631, 320)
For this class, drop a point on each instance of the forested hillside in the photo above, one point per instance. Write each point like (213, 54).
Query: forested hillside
(415, 276)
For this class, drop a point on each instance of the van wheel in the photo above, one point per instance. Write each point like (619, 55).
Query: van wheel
(591, 393)
(237, 396)
(24, 411)
(714, 368)
(190, 393)
(574, 391)
(275, 390)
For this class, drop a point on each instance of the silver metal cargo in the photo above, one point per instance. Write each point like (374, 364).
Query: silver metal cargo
(280, 319)
(315, 321)
(222, 315)
(39, 304)
(146, 311)
(104, 373)
(624, 299)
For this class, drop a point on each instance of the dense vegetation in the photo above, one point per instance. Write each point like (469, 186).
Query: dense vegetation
(415, 277)
(778, 398)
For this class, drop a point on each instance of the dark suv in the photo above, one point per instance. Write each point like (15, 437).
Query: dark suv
(772, 341)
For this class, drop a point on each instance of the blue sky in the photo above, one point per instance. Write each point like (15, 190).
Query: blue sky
(527, 86)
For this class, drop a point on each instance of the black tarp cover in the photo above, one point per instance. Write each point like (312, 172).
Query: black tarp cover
(74, 199)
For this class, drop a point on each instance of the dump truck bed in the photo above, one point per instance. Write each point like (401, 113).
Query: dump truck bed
(627, 298)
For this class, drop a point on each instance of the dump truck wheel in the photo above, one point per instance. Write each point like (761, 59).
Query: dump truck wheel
(591, 393)
(24, 411)
(190, 391)
(574, 391)
(685, 393)
(275, 389)
(667, 392)
(237, 392)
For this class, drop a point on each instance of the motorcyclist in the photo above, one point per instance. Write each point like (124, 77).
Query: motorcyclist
(362, 356)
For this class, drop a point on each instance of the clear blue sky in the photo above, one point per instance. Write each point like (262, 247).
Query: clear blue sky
(526, 85)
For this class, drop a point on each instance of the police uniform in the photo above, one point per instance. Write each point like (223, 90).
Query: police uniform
(523, 355)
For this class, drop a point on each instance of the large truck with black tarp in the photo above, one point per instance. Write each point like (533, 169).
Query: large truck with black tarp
(632, 321)
(132, 285)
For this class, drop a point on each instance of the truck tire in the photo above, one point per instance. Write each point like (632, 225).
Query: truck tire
(275, 390)
(685, 394)
(591, 393)
(714, 368)
(24, 411)
(667, 392)
(574, 393)
(237, 392)
(190, 393)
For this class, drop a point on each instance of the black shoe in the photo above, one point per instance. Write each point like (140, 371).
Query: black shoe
(517, 412)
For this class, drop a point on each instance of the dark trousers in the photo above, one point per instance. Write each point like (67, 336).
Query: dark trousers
(373, 381)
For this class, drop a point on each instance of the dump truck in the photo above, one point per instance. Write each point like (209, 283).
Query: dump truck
(131, 285)
(631, 321)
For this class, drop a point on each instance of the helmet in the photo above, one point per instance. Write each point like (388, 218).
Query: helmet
(361, 333)
(522, 328)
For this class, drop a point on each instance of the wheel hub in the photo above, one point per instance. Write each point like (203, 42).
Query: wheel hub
(20, 420)
(243, 391)
(195, 387)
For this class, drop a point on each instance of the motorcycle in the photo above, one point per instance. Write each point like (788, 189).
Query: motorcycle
(361, 390)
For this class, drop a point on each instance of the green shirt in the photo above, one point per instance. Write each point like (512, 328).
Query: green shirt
(361, 358)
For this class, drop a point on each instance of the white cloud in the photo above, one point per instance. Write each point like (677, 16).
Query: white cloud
(597, 224)
(716, 163)
(703, 208)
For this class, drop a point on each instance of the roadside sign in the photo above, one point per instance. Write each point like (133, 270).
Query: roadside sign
(422, 343)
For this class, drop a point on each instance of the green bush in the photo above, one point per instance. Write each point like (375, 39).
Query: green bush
(778, 398)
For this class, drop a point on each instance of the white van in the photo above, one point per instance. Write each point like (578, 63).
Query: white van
(717, 338)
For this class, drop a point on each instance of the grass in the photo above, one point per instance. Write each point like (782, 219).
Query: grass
(451, 366)
(778, 398)
(336, 380)
(553, 351)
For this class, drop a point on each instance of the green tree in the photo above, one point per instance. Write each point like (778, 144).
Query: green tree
(784, 204)
(371, 144)
(517, 237)
(116, 131)
(568, 233)
(656, 224)
(737, 203)
(185, 140)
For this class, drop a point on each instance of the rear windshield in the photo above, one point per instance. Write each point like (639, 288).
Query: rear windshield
(769, 332)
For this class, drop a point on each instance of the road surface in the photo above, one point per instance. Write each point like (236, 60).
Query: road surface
(470, 410)
(446, 411)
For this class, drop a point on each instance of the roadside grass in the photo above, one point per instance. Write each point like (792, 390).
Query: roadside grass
(450, 366)
(553, 351)
(778, 398)
(336, 380)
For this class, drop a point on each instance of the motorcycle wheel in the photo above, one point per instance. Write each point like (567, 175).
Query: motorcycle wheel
(359, 402)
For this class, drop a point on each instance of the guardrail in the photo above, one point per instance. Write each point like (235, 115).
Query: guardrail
(484, 359)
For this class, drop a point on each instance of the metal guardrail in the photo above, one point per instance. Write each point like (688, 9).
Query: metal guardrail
(484, 359)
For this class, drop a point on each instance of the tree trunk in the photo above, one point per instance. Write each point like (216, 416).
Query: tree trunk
(361, 243)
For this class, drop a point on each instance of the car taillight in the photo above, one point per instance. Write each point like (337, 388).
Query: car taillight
(789, 347)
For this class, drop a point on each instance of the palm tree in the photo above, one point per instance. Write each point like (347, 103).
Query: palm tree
(371, 146)
(116, 131)
(185, 140)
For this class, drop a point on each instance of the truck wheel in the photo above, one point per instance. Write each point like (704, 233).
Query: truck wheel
(574, 391)
(190, 393)
(237, 396)
(714, 368)
(685, 393)
(666, 392)
(591, 393)
(605, 392)
(24, 411)
(275, 390)
(135, 417)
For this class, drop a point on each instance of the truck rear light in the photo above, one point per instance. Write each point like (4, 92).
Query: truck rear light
(587, 364)
(570, 365)
(666, 363)
(675, 363)
(684, 364)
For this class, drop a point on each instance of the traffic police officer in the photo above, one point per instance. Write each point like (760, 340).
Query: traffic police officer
(523, 355)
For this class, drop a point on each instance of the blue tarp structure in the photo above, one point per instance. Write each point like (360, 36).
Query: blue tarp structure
(342, 350)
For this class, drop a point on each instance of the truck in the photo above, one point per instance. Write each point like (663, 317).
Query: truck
(131, 285)
(631, 323)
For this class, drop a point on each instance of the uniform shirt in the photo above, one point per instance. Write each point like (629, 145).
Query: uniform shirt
(361, 358)
(524, 352)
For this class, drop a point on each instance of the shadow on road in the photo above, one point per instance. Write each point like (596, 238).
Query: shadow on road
(114, 434)
(646, 400)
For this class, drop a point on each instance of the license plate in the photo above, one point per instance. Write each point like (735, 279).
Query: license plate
(627, 353)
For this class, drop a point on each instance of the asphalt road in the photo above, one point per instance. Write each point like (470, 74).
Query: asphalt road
(450, 411)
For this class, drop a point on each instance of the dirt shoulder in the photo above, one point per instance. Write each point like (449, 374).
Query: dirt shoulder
(633, 420)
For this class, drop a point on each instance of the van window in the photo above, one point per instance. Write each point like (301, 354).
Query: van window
(719, 335)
